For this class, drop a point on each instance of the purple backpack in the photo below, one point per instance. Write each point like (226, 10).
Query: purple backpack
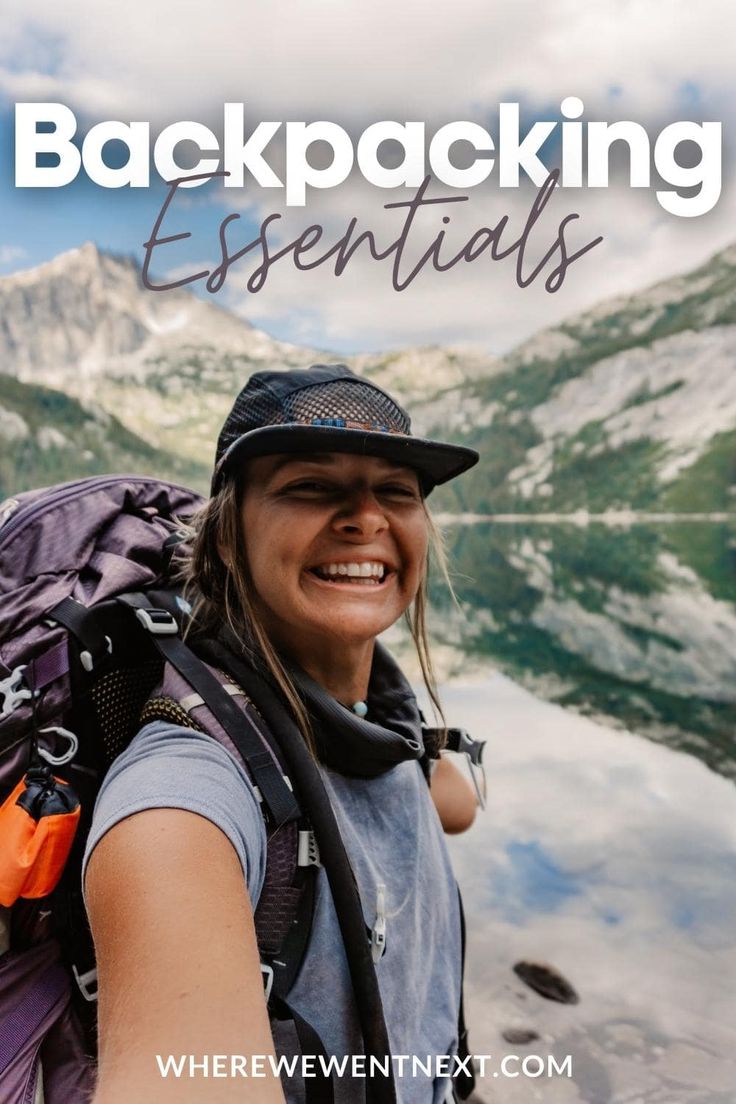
(90, 615)
(91, 647)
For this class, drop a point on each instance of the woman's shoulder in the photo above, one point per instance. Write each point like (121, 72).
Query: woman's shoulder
(167, 766)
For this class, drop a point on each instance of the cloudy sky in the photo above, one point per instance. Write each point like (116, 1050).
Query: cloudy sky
(356, 64)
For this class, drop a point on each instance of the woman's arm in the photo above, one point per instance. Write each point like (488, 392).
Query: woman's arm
(453, 797)
(178, 965)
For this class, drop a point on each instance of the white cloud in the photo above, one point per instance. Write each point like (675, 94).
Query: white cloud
(357, 63)
(9, 254)
(365, 58)
(477, 302)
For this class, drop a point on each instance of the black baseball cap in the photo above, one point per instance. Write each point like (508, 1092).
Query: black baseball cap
(327, 408)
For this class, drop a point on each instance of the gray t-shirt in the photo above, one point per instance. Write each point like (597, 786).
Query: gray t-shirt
(393, 838)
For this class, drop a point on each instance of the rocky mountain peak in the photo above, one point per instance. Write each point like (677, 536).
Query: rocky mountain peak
(85, 314)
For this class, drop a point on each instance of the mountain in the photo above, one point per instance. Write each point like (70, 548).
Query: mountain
(85, 315)
(629, 405)
(167, 364)
(48, 437)
(635, 624)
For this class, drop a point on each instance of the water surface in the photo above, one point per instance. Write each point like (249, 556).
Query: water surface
(608, 848)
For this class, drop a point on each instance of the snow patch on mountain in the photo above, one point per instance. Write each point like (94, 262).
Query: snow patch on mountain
(177, 322)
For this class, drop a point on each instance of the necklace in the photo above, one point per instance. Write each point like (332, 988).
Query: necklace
(360, 709)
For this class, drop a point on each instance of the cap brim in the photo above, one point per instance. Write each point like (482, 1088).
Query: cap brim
(434, 461)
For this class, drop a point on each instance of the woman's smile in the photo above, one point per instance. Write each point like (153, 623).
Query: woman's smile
(336, 546)
(363, 573)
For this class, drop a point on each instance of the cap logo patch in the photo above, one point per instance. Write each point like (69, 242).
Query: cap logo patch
(350, 423)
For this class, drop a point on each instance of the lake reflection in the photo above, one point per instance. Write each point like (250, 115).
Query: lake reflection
(608, 848)
(636, 625)
(614, 859)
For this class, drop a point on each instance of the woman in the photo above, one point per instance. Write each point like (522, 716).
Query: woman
(315, 541)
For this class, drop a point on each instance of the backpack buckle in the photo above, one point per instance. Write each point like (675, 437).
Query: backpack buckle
(12, 691)
(159, 622)
(462, 742)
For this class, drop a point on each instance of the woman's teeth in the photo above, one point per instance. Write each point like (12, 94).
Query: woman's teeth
(368, 573)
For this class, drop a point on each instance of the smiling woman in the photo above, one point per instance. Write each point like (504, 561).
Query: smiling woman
(314, 541)
(343, 559)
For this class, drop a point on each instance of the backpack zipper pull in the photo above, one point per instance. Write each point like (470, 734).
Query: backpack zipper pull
(378, 933)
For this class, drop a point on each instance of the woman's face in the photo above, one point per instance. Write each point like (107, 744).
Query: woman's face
(336, 544)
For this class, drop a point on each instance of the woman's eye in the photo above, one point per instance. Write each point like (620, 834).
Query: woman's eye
(398, 490)
(313, 488)
(308, 486)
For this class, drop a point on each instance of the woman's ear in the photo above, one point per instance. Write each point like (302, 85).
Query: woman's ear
(224, 555)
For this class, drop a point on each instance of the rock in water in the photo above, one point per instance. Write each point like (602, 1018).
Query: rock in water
(547, 981)
(519, 1036)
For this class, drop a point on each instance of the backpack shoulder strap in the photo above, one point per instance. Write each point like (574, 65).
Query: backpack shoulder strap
(283, 914)
(380, 1089)
(278, 799)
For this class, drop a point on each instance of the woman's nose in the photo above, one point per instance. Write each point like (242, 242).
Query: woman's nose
(363, 515)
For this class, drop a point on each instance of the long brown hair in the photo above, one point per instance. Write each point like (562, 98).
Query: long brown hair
(218, 583)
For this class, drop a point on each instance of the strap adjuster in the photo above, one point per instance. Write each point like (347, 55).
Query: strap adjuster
(460, 741)
(159, 622)
(307, 853)
(466, 745)
(87, 983)
(378, 931)
(88, 660)
(267, 972)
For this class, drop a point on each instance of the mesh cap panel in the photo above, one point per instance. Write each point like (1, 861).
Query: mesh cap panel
(328, 408)
(344, 403)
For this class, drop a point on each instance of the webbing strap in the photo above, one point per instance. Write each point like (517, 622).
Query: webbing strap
(49, 667)
(240, 726)
(24, 1020)
(380, 1089)
(318, 1089)
(83, 624)
(464, 1081)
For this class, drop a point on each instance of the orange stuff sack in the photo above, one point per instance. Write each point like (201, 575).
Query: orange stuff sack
(37, 825)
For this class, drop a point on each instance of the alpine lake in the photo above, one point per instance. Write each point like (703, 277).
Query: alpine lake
(597, 658)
